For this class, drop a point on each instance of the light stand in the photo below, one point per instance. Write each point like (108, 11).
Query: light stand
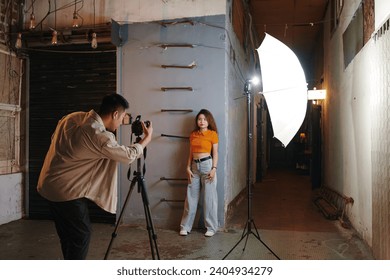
(250, 223)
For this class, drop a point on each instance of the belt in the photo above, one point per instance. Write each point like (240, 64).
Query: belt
(202, 159)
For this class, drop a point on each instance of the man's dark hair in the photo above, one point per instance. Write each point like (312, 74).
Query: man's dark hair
(111, 103)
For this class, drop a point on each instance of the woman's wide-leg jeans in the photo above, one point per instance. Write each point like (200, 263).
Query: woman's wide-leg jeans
(204, 190)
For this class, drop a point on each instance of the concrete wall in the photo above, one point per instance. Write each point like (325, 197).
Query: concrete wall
(347, 140)
(11, 197)
(382, 8)
(213, 89)
(379, 77)
(355, 131)
(124, 11)
(226, 85)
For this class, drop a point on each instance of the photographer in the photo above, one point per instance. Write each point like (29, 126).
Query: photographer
(81, 165)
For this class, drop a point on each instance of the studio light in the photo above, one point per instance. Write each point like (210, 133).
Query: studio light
(255, 81)
(251, 82)
(284, 87)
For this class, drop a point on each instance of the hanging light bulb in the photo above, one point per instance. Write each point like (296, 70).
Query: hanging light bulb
(54, 38)
(76, 21)
(94, 43)
(32, 21)
(33, 24)
(18, 43)
(94, 40)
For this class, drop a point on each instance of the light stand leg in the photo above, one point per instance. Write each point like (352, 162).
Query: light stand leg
(248, 227)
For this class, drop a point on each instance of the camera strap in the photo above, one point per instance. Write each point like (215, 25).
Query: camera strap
(144, 165)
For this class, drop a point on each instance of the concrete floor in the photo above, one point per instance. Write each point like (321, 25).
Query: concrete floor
(286, 219)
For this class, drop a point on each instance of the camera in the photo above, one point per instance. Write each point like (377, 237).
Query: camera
(136, 126)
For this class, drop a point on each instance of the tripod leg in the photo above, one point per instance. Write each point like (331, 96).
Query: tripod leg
(257, 235)
(114, 234)
(247, 235)
(149, 221)
(234, 247)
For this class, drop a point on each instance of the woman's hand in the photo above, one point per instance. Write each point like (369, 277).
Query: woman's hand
(190, 175)
(211, 174)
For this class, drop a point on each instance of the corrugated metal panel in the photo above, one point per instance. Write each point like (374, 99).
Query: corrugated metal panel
(64, 80)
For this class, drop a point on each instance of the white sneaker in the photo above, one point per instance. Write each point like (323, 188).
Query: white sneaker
(183, 232)
(209, 233)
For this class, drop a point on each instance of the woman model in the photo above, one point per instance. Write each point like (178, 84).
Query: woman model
(202, 177)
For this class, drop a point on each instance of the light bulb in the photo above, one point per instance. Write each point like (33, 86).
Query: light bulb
(94, 43)
(255, 80)
(32, 21)
(76, 22)
(18, 43)
(54, 38)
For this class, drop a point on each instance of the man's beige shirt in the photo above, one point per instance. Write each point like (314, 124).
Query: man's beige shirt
(82, 161)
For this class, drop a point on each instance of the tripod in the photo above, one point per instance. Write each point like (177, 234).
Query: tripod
(250, 223)
(139, 179)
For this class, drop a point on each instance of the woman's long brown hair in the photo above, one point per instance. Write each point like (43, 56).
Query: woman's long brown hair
(210, 119)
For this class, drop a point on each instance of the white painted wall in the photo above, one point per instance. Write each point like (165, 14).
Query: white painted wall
(379, 76)
(11, 197)
(382, 8)
(349, 119)
(347, 140)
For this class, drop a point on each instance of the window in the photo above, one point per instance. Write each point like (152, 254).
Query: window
(10, 81)
(336, 9)
(359, 31)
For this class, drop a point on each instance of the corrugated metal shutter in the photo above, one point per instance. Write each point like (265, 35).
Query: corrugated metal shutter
(64, 80)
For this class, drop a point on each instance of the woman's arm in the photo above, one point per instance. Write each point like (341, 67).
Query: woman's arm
(215, 162)
(215, 156)
(189, 162)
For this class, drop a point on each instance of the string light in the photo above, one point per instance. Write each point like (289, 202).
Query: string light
(18, 43)
(32, 22)
(54, 40)
(76, 21)
(94, 43)
(32, 18)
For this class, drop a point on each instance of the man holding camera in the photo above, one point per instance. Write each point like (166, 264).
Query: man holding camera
(81, 165)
